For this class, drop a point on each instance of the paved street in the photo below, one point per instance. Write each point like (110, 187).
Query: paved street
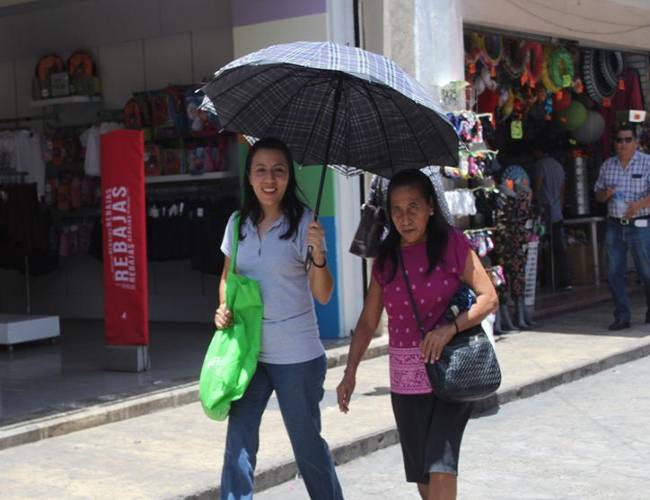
(588, 439)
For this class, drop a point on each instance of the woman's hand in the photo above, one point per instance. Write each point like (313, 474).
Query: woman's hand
(344, 391)
(435, 341)
(223, 317)
(315, 238)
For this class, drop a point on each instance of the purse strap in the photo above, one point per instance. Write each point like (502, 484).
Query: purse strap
(410, 294)
(235, 244)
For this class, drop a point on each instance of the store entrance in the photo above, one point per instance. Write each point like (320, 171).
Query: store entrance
(552, 109)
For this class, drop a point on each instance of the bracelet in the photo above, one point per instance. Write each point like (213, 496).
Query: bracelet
(319, 266)
(456, 325)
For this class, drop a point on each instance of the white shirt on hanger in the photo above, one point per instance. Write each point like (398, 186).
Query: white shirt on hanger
(29, 158)
(90, 140)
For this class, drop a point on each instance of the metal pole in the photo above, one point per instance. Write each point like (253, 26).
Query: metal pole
(28, 296)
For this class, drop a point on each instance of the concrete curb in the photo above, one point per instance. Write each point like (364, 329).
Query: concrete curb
(135, 406)
(364, 445)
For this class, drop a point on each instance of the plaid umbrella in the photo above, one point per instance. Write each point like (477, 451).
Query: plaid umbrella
(333, 105)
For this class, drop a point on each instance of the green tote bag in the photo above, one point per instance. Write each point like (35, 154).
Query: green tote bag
(231, 359)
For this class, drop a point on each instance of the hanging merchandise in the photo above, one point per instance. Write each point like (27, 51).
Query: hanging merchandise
(572, 117)
(508, 105)
(478, 85)
(90, 140)
(547, 81)
(480, 240)
(611, 66)
(492, 50)
(200, 122)
(591, 130)
(517, 175)
(561, 100)
(487, 101)
(168, 112)
(461, 202)
(560, 67)
(534, 60)
(514, 59)
(595, 82)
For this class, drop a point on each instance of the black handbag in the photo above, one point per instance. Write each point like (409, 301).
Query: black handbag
(371, 227)
(468, 369)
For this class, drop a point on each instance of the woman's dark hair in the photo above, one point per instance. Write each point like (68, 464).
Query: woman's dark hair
(437, 226)
(291, 205)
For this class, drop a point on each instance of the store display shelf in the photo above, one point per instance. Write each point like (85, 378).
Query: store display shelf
(70, 99)
(189, 177)
(81, 213)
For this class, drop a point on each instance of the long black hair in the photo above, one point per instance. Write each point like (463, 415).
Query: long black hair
(291, 205)
(437, 226)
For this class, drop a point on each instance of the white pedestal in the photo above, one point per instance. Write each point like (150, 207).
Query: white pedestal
(17, 328)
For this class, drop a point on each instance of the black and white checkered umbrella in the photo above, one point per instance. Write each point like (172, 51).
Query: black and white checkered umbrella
(333, 105)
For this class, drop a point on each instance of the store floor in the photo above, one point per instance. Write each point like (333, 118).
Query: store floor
(42, 378)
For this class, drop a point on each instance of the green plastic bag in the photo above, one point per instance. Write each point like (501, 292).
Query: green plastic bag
(231, 359)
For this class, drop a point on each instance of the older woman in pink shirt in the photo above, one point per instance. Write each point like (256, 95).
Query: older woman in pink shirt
(437, 259)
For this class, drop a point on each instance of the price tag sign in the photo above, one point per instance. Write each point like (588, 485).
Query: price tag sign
(516, 129)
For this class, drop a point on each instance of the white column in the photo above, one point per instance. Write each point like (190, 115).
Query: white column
(340, 24)
(438, 41)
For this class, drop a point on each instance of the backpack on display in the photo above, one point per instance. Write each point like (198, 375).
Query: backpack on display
(83, 75)
(168, 113)
(51, 64)
(133, 118)
(199, 122)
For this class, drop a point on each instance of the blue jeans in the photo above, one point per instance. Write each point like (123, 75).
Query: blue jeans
(299, 389)
(618, 240)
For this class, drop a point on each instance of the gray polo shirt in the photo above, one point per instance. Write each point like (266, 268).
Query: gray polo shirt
(551, 192)
(290, 331)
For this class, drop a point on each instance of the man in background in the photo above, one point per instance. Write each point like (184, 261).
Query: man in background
(624, 184)
(549, 191)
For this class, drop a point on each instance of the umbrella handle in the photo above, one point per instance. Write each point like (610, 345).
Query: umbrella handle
(310, 249)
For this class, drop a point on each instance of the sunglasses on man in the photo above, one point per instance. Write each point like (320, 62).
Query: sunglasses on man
(627, 140)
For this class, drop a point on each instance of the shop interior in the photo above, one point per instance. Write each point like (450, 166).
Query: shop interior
(65, 90)
(537, 96)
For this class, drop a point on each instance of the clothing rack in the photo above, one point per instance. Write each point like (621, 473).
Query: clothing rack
(12, 175)
(21, 119)
(157, 191)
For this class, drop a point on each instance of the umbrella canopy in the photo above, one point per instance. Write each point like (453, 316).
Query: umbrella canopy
(334, 105)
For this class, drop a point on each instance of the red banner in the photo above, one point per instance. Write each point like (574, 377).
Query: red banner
(126, 303)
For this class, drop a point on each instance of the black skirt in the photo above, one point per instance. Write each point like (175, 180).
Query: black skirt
(430, 432)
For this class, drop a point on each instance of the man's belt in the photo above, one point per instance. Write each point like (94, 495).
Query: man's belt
(625, 222)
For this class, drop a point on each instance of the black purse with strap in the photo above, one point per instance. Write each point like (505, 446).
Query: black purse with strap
(368, 235)
(468, 369)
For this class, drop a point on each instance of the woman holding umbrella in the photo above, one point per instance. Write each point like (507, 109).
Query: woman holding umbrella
(436, 259)
(276, 230)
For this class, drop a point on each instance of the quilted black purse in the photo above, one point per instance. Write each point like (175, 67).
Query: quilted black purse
(468, 369)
